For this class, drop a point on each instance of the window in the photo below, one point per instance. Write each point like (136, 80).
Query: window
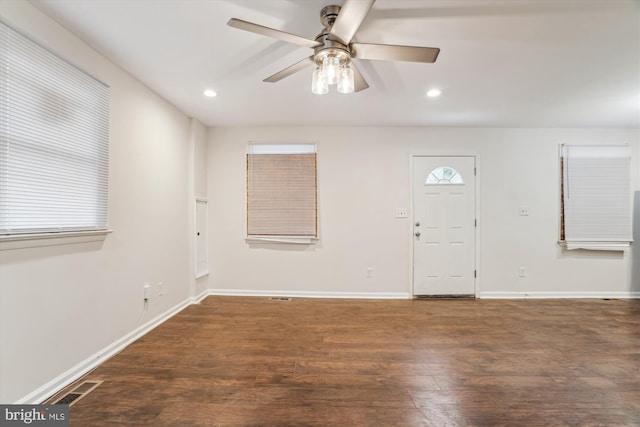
(282, 192)
(444, 175)
(596, 197)
(53, 142)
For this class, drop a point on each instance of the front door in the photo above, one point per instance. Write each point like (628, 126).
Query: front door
(444, 226)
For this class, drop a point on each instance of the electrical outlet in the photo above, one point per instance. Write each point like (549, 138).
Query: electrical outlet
(524, 210)
(521, 272)
(369, 272)
(161, 291)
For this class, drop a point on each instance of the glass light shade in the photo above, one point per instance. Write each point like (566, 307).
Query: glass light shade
(346, 80)
(319, 84)
(330, 67)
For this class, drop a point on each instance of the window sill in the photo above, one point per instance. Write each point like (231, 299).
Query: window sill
(595, 246)
(36, 240)
(302, 240)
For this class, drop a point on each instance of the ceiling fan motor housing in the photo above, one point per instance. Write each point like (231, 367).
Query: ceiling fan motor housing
(328, 15)
(327, 47)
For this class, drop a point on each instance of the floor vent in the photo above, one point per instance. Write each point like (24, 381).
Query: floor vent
(68, 399)
(279, 299)
(463, 296)
(78, 393)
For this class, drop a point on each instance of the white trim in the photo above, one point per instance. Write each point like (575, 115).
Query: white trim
(594, 246)
(307, 294)
(36, 240)
(281, 148)
(560, 295)
(300, 240)
(198, 298)
(61, 381)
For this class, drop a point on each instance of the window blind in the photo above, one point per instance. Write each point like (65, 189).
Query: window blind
(597, 196)
(54, 125)
(281, 190)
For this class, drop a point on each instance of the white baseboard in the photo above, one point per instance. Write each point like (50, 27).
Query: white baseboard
(307, 294)
(559, 295)
(61, 381)
(198, 298)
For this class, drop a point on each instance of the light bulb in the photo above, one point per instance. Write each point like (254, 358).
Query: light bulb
(346, 80)
(330, 68)
(319, 84)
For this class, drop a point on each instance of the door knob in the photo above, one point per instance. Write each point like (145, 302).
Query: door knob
(417, 234)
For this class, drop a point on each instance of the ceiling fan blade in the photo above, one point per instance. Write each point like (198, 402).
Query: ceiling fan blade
(270, 32)
(359, 82)
(300, 65)
(349, 19)
(387, 52)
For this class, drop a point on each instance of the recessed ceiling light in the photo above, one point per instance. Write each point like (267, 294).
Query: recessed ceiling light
(433, 93)
(210, 93)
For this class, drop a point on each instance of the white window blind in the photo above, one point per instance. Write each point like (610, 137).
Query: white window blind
(281, 191)
(53, 141)
(596, 196)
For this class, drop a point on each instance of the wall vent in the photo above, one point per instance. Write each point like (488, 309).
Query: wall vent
(279, 299)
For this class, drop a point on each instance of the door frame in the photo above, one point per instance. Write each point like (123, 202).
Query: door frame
(476, 156)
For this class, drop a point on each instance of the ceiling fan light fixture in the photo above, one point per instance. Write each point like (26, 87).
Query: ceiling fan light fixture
(319, 84)
(346, 80)
(331, 68)
(434, 93)
(210, 93)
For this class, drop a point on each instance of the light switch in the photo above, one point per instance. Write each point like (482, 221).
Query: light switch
(401, 213)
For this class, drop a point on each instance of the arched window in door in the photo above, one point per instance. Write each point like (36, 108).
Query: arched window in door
(444, 175)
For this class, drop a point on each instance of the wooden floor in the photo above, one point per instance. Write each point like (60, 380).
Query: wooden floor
(236, 361)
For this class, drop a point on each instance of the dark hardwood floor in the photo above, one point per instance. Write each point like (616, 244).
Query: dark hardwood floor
(237, 361)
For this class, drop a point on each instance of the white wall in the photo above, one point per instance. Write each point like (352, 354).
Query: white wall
(364, 175)
(61, 305)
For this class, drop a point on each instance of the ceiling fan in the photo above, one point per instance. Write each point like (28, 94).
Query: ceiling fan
(333, 49)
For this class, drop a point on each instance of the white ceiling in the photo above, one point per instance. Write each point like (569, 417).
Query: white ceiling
(503, 63)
